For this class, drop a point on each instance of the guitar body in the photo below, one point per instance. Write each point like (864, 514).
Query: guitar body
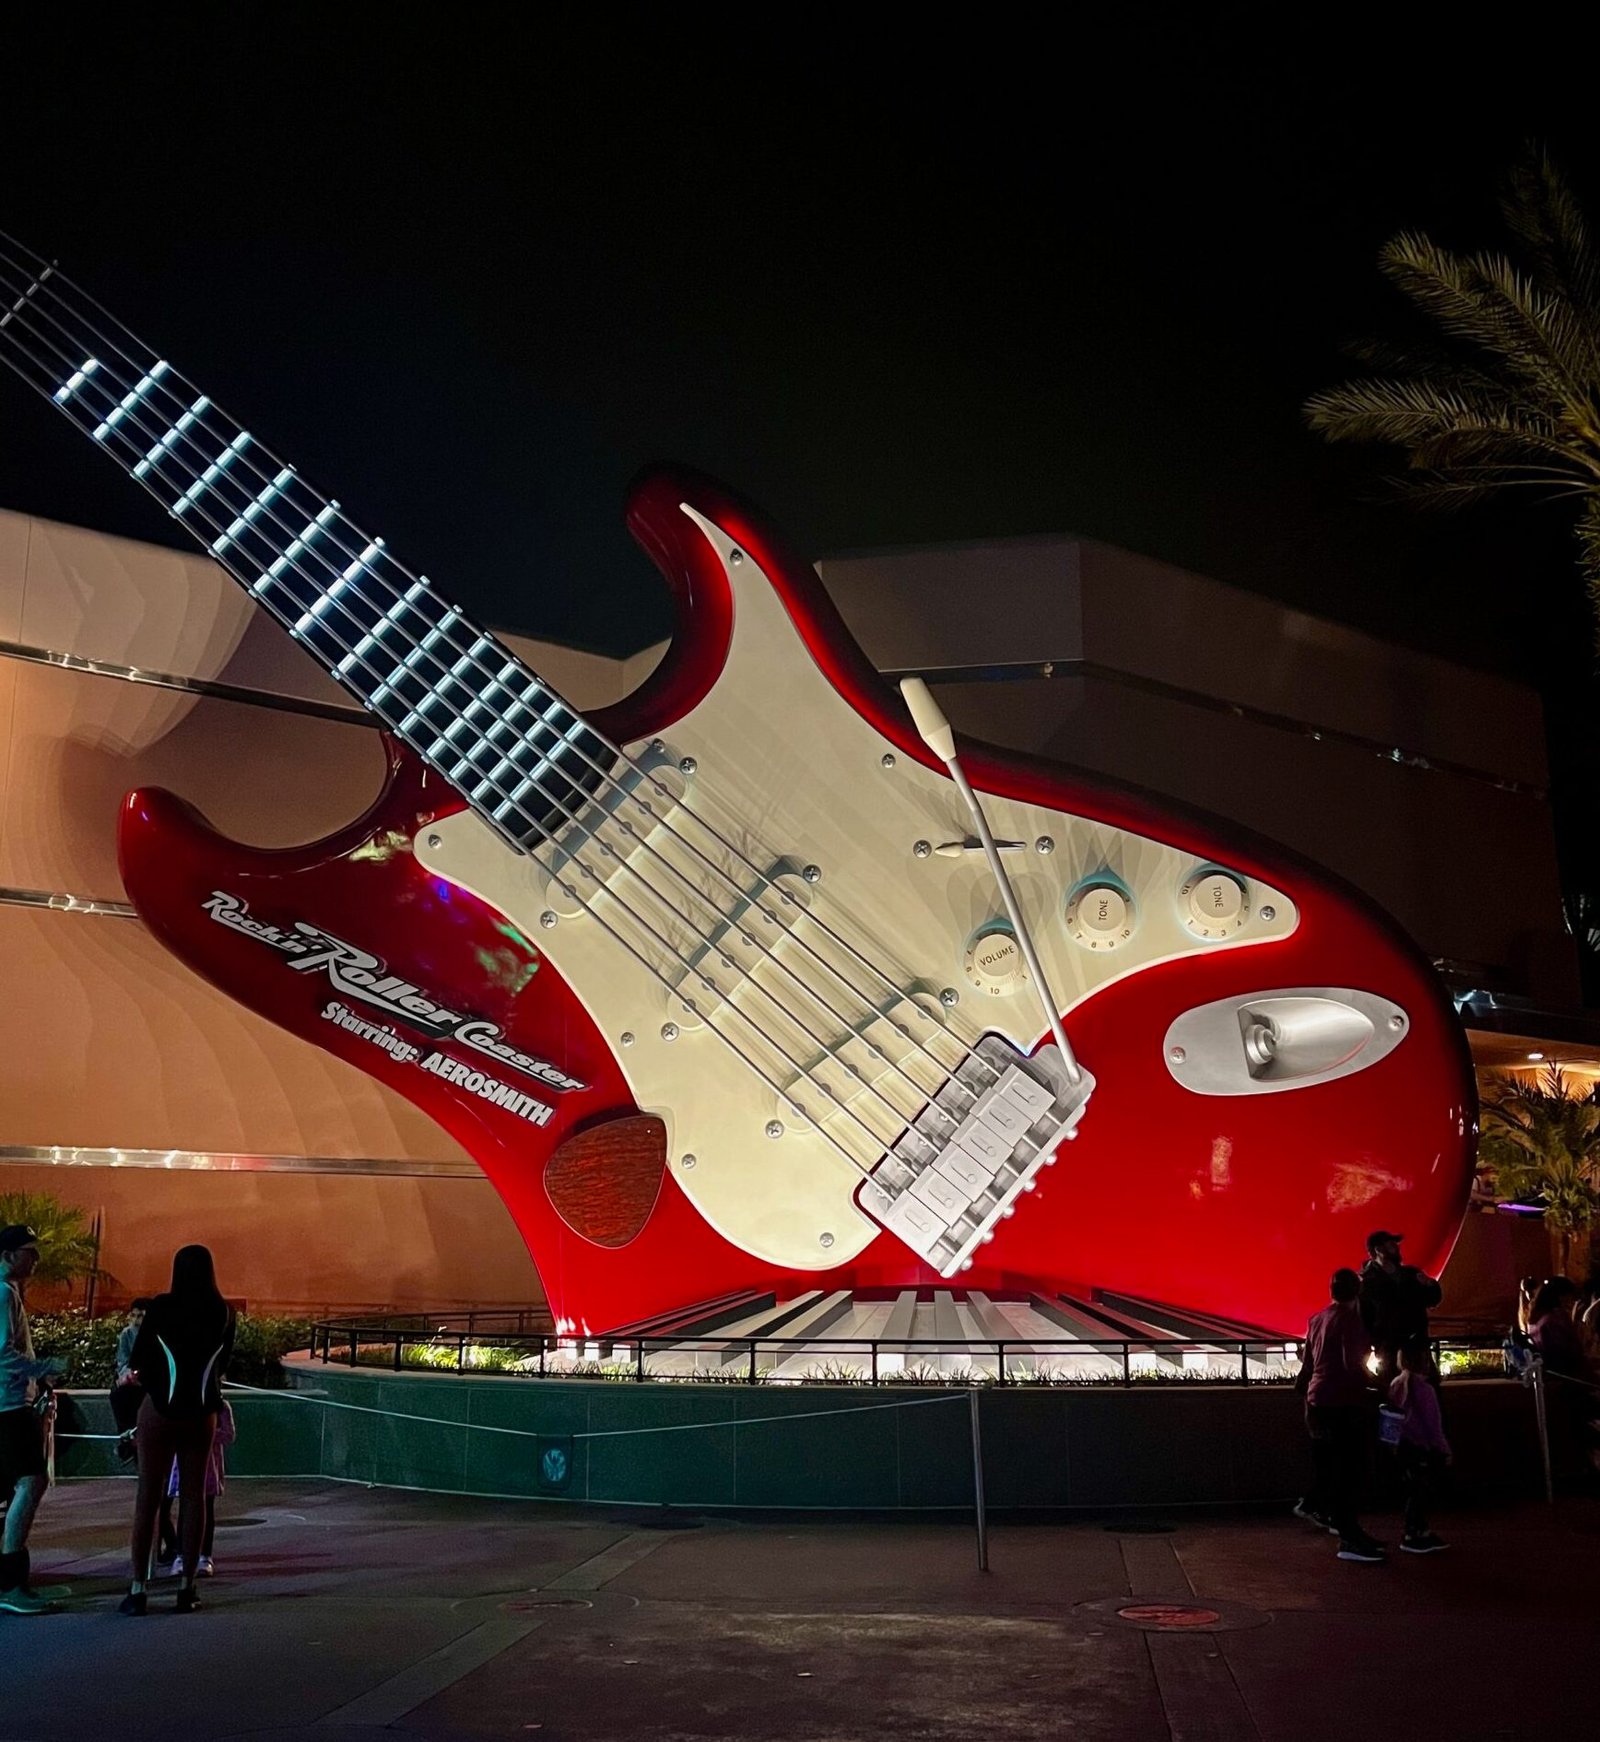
(648, 1166)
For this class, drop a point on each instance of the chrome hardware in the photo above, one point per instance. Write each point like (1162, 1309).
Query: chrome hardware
(921, 849)
(687, 765)
(669, 1031)
(627, 1037)
(824, 1240)
(1266, 1042)
(548, 920)
(812, 874)
(774, 1128)
(960, 1167)
(1269, 914)
(735, 557)
(949, 997)
(688, 1161)
(436, 841)
(1044, 844)
(886, 760)
(954, 849)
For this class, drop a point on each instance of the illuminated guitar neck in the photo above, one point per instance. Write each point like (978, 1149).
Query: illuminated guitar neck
(519, 755)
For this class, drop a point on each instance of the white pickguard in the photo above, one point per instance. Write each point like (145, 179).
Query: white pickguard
(789, 775)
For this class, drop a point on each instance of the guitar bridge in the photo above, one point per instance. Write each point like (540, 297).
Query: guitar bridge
(974, 1149)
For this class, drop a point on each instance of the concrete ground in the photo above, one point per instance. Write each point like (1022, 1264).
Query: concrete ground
(340, 1613)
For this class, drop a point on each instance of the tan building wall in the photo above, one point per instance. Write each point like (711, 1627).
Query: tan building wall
(163, 1104)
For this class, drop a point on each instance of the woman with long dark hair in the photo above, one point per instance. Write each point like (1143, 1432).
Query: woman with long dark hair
(180, 1356)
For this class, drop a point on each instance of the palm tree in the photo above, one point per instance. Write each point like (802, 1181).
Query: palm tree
(1506, 394)
(1541, 1140)
(67, 1245)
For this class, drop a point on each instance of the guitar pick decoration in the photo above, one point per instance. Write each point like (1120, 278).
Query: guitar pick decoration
(604, 1181)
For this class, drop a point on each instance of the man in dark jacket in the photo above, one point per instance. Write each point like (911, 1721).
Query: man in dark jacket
(1395, 1299)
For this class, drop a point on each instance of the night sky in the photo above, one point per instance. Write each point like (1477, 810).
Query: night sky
(470, 268)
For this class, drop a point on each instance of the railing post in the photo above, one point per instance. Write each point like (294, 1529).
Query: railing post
(977, 1484)
(1127, 1365)
(1000, 1363)
(397, 1346)
(874, 1348)
(1540, 1415)
(1244, 1363)
(752, 1360)
(352, 1347)
(543, 1345)
(461, 1353)
(638, 1365)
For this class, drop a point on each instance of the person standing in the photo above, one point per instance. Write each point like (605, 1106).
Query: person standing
(1573, 1398)
(180, 1356)
(1423, 1449)
(23, 1472)
(126, 1391)
(1395, 1300)
(1338, 1392)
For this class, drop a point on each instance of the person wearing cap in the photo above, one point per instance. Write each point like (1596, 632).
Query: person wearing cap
(1395, 1300)
(23, 1476)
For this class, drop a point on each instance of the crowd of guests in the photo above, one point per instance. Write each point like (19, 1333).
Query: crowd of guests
(167, 1402)
(1368, 1376)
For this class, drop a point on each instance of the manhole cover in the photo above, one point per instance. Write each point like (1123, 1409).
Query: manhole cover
(518, 1605)
(1176, 1613)
(1169, 1615)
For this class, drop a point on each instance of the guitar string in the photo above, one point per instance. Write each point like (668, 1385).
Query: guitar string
(763, 878)
(873, 1012)
(898, 1117)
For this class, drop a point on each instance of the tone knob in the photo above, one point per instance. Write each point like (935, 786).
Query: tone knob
(1214, 904)
(994, 961)
(1100, 916)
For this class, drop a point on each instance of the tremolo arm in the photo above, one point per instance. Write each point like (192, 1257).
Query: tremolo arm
(979, 1143)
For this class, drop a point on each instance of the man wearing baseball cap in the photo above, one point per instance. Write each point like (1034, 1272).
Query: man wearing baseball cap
(1395, 1299)
(23, 1479)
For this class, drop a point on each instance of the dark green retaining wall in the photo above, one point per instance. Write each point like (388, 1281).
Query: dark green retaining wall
(1064, 1447)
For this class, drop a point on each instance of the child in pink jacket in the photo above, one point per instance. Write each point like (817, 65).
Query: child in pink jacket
(1422, 1450)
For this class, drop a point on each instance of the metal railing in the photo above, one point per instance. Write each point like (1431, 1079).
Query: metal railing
(469, 1343)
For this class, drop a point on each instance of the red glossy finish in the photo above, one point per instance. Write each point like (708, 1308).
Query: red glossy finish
(1239, 1206)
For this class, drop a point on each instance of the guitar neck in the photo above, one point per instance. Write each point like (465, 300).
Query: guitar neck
(516, 752)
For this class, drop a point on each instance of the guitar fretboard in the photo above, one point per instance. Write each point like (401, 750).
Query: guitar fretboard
(518, 754)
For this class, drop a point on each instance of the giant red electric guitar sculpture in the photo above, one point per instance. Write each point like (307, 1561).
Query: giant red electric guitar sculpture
(718, 986)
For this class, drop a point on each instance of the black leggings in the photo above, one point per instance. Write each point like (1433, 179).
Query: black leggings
(160, 1439)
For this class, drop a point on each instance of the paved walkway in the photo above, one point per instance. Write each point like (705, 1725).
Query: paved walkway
(340, 1613)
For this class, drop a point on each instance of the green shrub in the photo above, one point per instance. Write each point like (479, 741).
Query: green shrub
(89, 1346)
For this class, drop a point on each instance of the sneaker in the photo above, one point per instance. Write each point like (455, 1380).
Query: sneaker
(1304, 1509)
(1424, 1542)
(205, 1567)
(172, 1569)
(135, 1603)
(1362, 1548)
(23, 1602)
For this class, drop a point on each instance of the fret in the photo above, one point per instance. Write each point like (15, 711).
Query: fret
(519, 755)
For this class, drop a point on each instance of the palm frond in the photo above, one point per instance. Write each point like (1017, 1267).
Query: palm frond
(1482, 301)
(1543, 213)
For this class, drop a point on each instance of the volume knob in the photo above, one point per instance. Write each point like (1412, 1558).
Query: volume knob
(994, 961)
(1100, 917)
